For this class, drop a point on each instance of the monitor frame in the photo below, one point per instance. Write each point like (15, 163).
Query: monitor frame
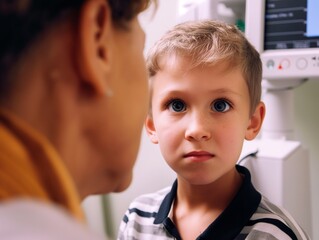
(278, 64)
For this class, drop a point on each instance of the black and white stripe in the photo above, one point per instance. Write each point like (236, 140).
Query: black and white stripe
(250, 216)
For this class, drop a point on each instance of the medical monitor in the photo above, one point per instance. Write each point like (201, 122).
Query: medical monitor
(286, 34)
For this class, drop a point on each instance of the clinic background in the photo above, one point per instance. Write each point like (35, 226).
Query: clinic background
(151, 173)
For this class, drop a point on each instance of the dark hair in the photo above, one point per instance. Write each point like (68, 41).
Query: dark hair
(21, 21)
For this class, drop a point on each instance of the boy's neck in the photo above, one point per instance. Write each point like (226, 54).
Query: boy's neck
(217, 193)
(199, 205)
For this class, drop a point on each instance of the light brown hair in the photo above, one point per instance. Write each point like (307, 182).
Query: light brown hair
(207, 43)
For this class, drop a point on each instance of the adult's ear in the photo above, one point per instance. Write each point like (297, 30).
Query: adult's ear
(150, 129)
(95, 55)
(255, 122)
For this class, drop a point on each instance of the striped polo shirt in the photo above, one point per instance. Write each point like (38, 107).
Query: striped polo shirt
(249, 216)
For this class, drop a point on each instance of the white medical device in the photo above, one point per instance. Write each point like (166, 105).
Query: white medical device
(286, 34)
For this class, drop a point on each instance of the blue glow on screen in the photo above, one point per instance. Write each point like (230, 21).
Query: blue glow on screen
(313, 18)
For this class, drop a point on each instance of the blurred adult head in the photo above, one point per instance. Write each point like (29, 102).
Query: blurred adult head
(74, 71)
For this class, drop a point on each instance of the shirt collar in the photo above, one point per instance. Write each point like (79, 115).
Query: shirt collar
(166, 205)
(232, 220)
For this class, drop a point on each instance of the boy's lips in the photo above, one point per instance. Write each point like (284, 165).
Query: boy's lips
(199, 155)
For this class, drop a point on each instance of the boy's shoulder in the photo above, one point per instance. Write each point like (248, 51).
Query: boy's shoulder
(267, 208)
(273, 220)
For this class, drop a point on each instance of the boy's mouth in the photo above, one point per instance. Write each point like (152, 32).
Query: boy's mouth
(199, 155)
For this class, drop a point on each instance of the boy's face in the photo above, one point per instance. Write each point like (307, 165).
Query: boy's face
(200, 119)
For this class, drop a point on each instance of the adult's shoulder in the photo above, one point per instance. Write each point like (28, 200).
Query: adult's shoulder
(30, 219)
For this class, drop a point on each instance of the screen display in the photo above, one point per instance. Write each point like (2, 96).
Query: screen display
(291, 24)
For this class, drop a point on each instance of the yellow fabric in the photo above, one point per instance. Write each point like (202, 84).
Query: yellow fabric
(31, 168)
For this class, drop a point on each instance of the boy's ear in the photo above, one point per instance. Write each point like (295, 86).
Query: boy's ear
(150, 129)
(255, 122)
(95, 29)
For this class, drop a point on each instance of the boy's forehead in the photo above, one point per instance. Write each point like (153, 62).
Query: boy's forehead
(182, 64)
(180, 70)
(175, 70)
(176, 64)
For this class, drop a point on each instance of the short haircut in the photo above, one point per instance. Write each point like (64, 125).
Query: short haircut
(207, 43)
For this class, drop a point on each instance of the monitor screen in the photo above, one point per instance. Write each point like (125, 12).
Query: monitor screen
(286, 34)
(291, 24)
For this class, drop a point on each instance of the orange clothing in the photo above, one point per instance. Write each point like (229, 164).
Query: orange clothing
(31, 168)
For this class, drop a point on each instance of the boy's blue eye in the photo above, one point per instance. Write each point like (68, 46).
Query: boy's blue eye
(177, 106)
(220, 106)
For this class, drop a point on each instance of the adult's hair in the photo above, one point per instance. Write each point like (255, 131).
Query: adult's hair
(207, 43)
(21, 21)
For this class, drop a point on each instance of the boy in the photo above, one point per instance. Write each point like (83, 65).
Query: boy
(206, 88)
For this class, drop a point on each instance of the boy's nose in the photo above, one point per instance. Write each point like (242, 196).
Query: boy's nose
(198, 128)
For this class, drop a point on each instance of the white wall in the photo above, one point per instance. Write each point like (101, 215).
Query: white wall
(307, 131)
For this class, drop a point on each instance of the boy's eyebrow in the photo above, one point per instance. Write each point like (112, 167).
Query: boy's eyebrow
(213, 91)
(225, 90)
